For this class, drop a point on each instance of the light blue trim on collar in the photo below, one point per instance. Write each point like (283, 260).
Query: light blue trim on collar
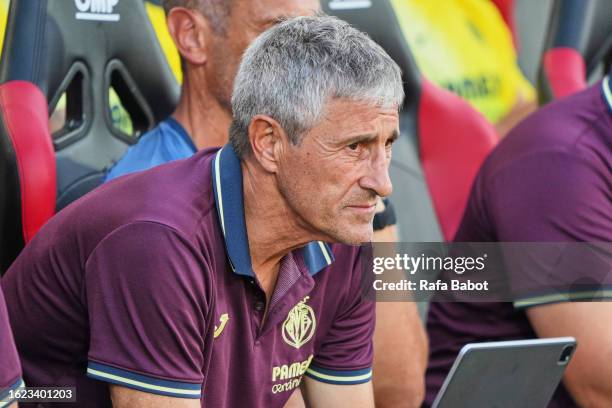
(606, 89)
(227, 186)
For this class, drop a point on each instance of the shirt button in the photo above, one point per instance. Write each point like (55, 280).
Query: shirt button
(259, 305)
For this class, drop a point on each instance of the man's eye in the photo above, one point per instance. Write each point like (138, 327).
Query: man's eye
(354, 146)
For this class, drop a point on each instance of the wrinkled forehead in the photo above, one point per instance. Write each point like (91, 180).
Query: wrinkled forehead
(347, 110)
(345, 117)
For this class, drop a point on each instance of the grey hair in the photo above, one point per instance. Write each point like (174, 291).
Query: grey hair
(294, 69)
(215, 11)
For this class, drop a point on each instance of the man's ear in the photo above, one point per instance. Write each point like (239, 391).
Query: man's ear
(266, 137)
(190, 31)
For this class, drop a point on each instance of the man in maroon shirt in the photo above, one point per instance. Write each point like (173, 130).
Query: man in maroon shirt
(210, 283)
(211, 36)
(549, 181)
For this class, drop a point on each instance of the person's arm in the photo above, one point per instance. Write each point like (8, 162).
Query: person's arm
(398, 376)
(400, 355)
(128, 398)
(560, 197)
(588, 376)
(321, 395)
(295, 400)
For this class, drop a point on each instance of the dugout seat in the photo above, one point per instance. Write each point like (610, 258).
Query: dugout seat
(73, 57)
(24, 133)
(443, 140)
(578, 42)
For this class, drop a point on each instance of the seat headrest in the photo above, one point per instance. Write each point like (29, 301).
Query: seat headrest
(46, 38)
(578, 41)
(584, 26)
(83, 48)
(27, 167)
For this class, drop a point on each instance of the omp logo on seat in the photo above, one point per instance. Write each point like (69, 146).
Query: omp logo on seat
(349, 4)
(96, 10)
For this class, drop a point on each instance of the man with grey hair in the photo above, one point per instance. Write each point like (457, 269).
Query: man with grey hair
(211, 36)
(212, 284)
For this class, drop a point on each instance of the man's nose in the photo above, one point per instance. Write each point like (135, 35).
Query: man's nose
(377, 176)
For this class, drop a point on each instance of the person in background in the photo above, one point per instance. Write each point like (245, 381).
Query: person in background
(466, 47)
(211, 36)
(549, 181)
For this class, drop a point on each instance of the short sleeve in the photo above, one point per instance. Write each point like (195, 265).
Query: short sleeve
(147, 303)
(10, 369)
(345, 356)
(554, 197)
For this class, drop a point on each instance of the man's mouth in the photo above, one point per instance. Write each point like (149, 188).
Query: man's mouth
(366, 208)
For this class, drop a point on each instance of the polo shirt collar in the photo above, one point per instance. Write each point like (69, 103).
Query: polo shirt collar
(606, 89)
(229, 200)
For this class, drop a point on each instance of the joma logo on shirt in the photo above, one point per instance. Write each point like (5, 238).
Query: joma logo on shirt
(96, 10)
(300, 325)
(223, 320)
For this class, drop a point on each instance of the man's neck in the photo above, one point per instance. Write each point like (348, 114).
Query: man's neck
(272, 229)
(203, 117)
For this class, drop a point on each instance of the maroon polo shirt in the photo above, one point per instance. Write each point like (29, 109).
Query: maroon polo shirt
(550, 180)
(147, 283)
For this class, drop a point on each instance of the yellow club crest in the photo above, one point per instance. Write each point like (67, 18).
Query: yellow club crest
(300, 325)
